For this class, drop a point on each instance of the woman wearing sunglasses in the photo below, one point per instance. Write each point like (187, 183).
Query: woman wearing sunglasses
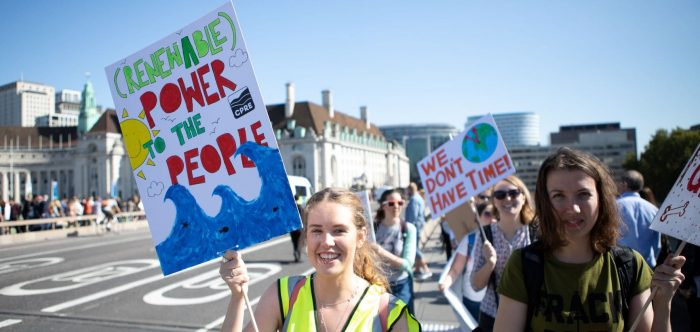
(464, 264)
(396, 245)
(514, 213)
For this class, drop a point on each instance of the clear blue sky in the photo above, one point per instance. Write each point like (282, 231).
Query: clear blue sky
(572, 62)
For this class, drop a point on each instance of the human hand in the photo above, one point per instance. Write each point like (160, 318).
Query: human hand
(666, 279)
(443, 285)
(489, 253)
(234, 272)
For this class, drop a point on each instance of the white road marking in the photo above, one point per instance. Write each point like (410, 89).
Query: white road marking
(131, 285)
(86, 246)
(80, 278)
(207, 281)
(8, 322)
(25, 264)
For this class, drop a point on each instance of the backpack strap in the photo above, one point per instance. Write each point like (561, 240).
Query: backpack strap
(626, 266)
(533, 274)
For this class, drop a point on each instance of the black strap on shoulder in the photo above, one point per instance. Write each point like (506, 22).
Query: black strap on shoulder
(533, 274)
(626, 266)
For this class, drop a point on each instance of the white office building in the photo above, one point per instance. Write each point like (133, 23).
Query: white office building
(21, 103)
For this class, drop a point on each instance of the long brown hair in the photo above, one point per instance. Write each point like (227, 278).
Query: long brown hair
(366, 263)
(606, 229)
(527, 212)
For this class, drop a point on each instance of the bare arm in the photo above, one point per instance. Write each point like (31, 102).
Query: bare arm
(666, 279)
(267, 313)
(480, 277)
(457, 268)
(511, 315)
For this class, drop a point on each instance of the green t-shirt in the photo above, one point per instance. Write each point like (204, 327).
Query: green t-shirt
(575, 297)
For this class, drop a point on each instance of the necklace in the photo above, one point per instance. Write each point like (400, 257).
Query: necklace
(345, 311)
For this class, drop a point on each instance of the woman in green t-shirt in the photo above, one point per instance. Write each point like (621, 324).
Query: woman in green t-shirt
(581, 288)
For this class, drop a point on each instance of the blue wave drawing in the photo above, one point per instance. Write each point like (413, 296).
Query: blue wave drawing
(196, 237)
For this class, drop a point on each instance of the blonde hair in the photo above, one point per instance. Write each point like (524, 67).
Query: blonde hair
(527, 212)
(366, 262)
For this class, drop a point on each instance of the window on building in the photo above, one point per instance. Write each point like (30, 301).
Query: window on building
(299, 166)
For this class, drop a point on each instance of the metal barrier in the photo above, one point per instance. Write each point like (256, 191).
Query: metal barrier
(22, 230)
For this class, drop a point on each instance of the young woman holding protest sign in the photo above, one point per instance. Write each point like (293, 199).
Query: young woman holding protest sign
(514, 213)
(576, 277)
(396, 245)
(347, 290)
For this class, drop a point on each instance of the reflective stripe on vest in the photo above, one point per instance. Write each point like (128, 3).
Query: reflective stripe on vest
(300, 314)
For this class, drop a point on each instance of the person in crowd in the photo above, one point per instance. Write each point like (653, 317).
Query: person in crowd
(581, 286)
(415, 214)
(462, 264)
(637, 214)
(295, 235)
(514, 213)
(347, 291)
(110, 207)
(447, 237)
(3, 230)
(396, 245)
(648, 194)
(134, 204)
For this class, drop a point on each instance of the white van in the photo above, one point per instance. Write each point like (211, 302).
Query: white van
(300, 186)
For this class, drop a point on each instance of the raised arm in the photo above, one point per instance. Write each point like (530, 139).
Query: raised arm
(267, 314)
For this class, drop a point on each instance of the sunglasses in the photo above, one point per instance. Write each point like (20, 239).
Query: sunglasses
(483, 197)
(501, 194)
(393, 203)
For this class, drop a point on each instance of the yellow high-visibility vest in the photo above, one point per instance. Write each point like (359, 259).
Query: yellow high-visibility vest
(376, 310)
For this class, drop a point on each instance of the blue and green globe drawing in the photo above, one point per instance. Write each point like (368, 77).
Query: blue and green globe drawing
(479, 143)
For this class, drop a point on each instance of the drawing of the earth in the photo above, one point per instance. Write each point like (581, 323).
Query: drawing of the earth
(479, 143)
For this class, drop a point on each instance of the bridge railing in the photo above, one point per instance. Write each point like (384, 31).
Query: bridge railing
(62, 226)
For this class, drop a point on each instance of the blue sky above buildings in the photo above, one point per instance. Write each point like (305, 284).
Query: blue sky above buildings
(633, 62)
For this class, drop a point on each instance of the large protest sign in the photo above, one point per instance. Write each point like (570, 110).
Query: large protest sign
(464, 166)
(679, 215)
(200, 143)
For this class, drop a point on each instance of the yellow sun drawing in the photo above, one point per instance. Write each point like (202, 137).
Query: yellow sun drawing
(136, 134)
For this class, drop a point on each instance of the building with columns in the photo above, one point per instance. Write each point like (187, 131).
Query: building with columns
(328, 147)
(31, 158)
(331, 148)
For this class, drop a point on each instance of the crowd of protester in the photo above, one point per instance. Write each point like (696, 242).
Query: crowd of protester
(37, 206)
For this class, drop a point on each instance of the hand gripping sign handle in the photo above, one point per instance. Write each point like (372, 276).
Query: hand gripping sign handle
(653, 293)
(245, 296)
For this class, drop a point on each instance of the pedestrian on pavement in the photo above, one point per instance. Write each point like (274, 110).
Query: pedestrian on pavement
(637, 214)
(514, 213)
(415, 214)
(396, 245)
(464, 262)
(575, 277)
(295, 235)
(347, 291)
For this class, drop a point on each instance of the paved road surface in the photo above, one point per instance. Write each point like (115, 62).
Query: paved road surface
(112, 282)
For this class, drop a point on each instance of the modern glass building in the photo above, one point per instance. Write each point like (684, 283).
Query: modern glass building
(419, 141)
(517, 129)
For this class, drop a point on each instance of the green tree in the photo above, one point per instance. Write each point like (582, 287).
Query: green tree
(664, 158)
